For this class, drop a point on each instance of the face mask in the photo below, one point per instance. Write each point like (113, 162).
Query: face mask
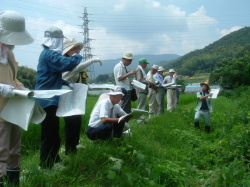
(4, 49)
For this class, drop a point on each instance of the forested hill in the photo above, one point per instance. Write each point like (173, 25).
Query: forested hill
(205, 60)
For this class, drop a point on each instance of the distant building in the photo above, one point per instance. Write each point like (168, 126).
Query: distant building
(195, 87)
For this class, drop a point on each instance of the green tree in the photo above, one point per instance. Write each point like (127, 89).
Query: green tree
(27, 76)
(102, 78)
(232, 73)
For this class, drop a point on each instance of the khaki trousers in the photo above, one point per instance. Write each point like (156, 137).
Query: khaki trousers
(152, 102)
(141, 104)
(172, 100)
(10, 146)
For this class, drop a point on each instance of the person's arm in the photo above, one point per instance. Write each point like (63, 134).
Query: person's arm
(204, 97)
(106, 120)
(165, 80)
(126, 75)
(83, 65)
(61, 63)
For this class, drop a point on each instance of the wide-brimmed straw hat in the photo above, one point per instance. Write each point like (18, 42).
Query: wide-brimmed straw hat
(116, 91)
(205, 83)
(70, 43)
(128, 55)
(12, 29)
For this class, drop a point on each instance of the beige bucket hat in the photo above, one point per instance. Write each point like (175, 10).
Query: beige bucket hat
(70, 43)
(171, 71)
(160, 68)
(12, 29)
(128, 55)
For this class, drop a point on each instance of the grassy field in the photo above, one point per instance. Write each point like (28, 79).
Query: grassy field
(198, 78)
(168, 151)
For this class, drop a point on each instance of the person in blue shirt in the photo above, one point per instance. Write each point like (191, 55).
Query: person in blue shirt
(50, 67)
(161, 90)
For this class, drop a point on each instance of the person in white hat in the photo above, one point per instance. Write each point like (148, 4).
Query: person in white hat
(171, 90)
(161, 90)
(152, 91)
(104, 120)
(73, 124)
(12, 32)
(121, 75)
(50, 67)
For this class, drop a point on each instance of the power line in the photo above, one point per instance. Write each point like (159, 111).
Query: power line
(86, 42)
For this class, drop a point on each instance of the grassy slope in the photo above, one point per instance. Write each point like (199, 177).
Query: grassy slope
(167, 151)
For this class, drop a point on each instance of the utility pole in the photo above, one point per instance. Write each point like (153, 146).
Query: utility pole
(86, 42)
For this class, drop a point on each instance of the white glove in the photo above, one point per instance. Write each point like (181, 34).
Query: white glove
(6, 90)
(96, 60)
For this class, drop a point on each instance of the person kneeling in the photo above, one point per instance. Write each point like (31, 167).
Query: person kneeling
(104, 121)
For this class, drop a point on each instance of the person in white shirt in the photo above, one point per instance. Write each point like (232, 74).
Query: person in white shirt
(104, 120)
(121, 75)
(171, 91)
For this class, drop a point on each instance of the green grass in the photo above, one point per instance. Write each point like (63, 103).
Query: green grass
(167, 151)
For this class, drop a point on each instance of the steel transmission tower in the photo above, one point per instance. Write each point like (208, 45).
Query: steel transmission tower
(86, 42)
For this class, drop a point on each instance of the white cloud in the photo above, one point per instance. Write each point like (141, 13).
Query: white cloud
(175, 11)
(227, 31)
(199, 19)
(120, 5)
(156, 4)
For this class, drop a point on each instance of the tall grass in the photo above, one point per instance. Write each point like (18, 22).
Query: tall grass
(168, 151)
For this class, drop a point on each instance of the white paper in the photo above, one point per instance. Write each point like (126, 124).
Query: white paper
(43, 94)
(215, 93)
(22, 111)
(94, 86)
(136, 113)
(73, 103)
(138, 84)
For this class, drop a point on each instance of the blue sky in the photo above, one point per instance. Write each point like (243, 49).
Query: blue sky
(138, 26)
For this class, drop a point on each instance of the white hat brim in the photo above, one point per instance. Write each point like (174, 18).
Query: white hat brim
(15, 38)
(115, 93)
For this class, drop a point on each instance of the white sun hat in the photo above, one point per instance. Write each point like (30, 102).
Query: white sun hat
(161, 68)
(171, 71)
(128, 55)
(12, 29)
(116, 91)
(70, 43)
